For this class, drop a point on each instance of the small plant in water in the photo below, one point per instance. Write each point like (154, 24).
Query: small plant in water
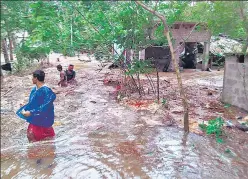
(228, 151)
(214, 127)
(164, 101)
(227, 105)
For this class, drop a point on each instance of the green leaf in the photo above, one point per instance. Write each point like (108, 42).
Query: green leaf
(219, 140)
(228, 151)
(227, 105)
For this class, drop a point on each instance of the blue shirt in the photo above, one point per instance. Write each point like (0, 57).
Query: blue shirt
(40, 106)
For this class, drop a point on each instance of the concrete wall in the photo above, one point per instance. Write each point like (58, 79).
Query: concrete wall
(235, 83)
(186, 31)
(188, 36)
(161, 56)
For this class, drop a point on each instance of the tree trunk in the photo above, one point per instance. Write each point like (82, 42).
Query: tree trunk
(157, 85)
(205, 59)
(48, 61)
(179, 79)
(245, 25)
(14, 41)
(71, 33)
(138, 79)
(1, 74)
(245, 46)
(10, 47)
(1, 78)
(5, 50)
(180, 84)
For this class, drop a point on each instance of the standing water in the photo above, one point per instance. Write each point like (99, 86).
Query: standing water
(98, 138)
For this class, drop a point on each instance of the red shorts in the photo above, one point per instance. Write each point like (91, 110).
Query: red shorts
(37, 133)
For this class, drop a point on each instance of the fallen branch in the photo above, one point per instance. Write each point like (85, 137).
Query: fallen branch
(7, 91)
(166, 81)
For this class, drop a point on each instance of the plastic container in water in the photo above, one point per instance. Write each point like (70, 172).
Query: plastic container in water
(229, 123)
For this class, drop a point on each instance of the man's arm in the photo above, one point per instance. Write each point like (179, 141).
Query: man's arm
(31, 94)
(50, 96)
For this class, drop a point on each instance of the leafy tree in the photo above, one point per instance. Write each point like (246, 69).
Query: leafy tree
(229, 18)
(69, 26)
(11, 22)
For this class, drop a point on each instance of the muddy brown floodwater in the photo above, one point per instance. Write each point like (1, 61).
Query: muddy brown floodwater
(98, 138)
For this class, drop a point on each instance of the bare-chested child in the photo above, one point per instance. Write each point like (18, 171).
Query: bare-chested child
(63, 77)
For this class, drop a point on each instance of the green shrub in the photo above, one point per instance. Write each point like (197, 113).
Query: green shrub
(214, 127)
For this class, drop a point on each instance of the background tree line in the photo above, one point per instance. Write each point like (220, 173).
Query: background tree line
(94, 26)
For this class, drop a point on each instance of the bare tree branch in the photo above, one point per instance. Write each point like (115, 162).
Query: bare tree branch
(155, 8)
(155, 13)
(173, 57)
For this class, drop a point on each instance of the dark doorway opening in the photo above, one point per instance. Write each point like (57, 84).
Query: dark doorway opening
(189, 58)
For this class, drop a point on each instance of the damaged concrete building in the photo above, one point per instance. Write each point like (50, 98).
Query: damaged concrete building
(194, 45)
(186, 35)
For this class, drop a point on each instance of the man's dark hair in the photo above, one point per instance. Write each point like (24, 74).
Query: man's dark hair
(59, 67)
(71, 65)
(40, 75)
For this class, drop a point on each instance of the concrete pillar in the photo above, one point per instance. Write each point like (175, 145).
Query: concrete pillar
(224, 82)
(205, 56)
(129, 56)
(5, 50)
(142, 54)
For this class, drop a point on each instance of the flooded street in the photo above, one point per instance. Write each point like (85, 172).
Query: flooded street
(96, 137)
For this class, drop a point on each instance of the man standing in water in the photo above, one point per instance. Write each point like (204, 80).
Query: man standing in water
(70, 74)
(39, 112)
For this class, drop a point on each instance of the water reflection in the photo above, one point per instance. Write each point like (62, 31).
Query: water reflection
(41, 157)
(36, 160)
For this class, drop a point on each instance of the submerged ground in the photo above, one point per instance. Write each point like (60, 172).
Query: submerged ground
(98, 137)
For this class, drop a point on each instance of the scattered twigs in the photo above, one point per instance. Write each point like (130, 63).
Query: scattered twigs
(7, 92)
(151, 83)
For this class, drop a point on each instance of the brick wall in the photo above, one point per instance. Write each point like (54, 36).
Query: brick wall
(235, 84)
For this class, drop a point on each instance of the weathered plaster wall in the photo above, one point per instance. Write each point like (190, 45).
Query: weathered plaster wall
(235, 84)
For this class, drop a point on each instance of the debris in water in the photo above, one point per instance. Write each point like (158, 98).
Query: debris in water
(57, 123)
(194, 127)
(242, 127)
(229, 123)
(239, 118)
(228, 151)
(210, 93)
(246, 118)
(38, 162)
